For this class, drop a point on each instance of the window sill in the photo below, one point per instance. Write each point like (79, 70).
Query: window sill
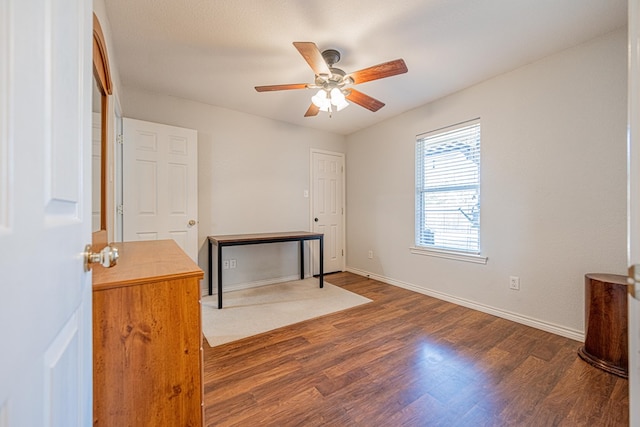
(457, 256)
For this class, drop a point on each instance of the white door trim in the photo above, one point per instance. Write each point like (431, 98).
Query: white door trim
(633, 208)
(313, 151)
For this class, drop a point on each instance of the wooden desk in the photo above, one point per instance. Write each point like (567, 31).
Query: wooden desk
(260, 238)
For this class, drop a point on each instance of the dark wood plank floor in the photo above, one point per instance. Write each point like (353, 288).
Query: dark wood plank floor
(407, 360)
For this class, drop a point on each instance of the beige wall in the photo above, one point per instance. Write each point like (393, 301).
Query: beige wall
(553, 188)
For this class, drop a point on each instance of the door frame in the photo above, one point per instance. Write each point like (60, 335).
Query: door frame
(313, 151)
(633, 208)
(118, 176)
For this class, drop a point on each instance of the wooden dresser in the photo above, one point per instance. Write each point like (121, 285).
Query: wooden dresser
(147, 338)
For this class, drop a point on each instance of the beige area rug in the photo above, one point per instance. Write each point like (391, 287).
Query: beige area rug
(252, 311)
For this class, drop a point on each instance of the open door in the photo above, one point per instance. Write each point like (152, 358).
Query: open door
(160, 184)
(45, 212)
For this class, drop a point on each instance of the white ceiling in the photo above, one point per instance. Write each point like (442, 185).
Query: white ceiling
(216, 51)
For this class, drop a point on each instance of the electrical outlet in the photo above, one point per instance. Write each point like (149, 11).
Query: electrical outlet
(370, 254)
(232, 263)
(514, 283)
(225, 264)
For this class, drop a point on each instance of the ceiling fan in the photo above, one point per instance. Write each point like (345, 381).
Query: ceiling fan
(334, 84)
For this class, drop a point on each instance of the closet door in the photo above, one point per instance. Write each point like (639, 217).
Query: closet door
(160, 184)
(327, 207)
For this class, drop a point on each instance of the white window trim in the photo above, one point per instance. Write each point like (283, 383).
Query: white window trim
(454, 255)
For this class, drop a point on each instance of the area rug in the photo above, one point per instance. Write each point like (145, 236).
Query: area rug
(252, 311)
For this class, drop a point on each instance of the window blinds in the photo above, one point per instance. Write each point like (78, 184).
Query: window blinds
(448, 188)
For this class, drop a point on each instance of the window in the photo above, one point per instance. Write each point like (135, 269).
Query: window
(448, 189)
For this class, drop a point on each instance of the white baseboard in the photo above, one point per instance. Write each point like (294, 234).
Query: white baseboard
(515, 317)
(239, 286)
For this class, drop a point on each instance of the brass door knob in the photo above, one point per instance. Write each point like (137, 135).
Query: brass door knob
(107, 257)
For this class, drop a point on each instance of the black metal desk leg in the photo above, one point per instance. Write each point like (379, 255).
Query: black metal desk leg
(301, 259)
(219, 276)
(210, 269)
(321, 262)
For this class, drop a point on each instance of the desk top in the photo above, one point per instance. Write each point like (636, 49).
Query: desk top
(264, 237)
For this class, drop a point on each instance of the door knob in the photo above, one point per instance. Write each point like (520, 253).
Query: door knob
(192, 222)
(107, 257)
(315, 219)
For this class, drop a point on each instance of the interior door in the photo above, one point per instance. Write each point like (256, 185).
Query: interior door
(160, 184)
(328, 206)
(45, 212)
(634, 211)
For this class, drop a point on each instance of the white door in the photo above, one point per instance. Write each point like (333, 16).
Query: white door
(45, 212)
(634, 210)
(160, 184)
(328, 206)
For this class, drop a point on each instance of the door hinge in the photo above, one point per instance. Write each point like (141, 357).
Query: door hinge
(120, 210)
(343, 252)
(632, 279)
(120, 139)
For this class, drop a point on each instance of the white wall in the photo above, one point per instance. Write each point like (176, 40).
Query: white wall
(252, 174)
(553, 188)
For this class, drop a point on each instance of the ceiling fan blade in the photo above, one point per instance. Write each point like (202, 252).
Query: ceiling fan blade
(312, 55)
(312, 111)
(365, 101)
(380, 71)
(281, 87)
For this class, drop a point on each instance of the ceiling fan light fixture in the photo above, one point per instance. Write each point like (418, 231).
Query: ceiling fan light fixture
(325, 99)
(337, 97)
(342, 105)
(320, 99)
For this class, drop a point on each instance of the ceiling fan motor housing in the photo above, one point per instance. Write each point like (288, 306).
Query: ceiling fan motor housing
(331, 56)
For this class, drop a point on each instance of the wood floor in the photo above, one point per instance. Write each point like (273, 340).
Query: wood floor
(406, 359)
